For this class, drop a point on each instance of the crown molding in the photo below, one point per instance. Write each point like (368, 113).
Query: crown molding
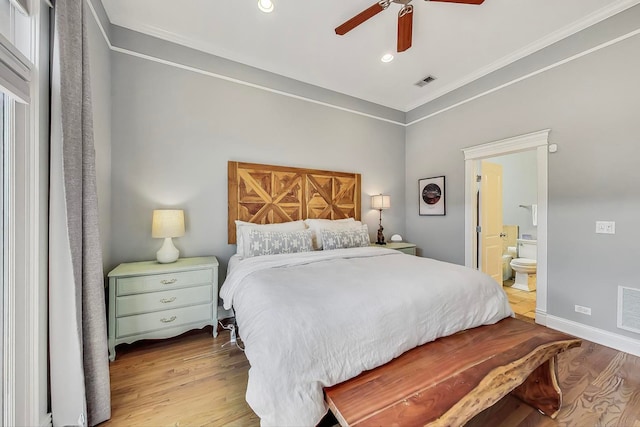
(593, 18)
(539, 44)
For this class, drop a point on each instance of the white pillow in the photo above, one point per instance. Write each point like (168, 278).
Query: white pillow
(260, 242)
(346, 238)
(316, 225)
(283, 226)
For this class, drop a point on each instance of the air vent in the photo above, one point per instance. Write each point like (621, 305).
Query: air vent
(425, 81)
(629, 309)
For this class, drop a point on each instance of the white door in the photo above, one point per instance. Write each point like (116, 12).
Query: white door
(490, 208)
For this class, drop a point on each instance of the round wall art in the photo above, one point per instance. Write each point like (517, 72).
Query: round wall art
(432, 196)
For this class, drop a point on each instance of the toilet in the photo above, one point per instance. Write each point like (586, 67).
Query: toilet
(525, 265)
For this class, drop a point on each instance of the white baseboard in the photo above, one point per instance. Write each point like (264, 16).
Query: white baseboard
(46, 420)
(599, 336)
(541, 317)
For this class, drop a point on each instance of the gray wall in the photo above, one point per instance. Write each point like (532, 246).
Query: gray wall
(591, 105)
(100, 65)
(173, 132)
(519, 187)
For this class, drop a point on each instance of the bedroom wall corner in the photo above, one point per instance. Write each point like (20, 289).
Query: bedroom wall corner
(593, 124)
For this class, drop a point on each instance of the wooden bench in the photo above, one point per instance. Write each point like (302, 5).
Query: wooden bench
(449, 381)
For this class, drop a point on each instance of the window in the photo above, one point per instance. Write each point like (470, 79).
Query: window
(23, 379)
(3, 280)
(5, 19)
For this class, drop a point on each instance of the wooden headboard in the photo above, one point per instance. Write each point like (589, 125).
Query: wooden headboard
(266, 194)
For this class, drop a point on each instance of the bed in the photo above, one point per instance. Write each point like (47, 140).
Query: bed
(316, 305)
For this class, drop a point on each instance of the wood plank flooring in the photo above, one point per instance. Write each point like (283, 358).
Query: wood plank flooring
(192, 380)
(523, 303)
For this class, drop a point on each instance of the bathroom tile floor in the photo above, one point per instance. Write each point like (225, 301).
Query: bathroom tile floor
(523, 303)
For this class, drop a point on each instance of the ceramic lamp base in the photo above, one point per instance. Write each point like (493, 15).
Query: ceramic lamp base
(168, 252)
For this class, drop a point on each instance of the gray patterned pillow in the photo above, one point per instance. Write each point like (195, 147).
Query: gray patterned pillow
(260, 242)
(341, 239)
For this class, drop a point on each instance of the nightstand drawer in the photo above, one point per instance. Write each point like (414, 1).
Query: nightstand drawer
(404, 247)
(165, 300)
(408, 251)
(141, 323)
(151, 300)
(161, 282)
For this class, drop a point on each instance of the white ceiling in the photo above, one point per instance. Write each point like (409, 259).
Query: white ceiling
(456, 43)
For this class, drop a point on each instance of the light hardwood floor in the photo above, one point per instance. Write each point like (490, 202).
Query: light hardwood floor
(523, 303)
(192, 381)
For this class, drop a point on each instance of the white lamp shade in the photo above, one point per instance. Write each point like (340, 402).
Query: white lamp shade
(167, 223)
(380, 201)
(265, 5)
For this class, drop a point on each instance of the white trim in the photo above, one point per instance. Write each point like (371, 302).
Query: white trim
(508, 145)
(46, 420)
(95, 16)
(532, 141)
(589, 20)
(9, 344)
(573, 28)
(253, 85)
(599, 336)
(532, 74)
(541, 317)
(36, 290)
(554, 37)
(542, 268)
(230, 79)
(17, 82)
(27, 379)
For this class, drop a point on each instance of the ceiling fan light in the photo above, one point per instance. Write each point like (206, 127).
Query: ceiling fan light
(265, 5)
(387, 57)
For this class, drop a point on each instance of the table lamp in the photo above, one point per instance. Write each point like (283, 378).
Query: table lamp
(380, 202)
(167, 223)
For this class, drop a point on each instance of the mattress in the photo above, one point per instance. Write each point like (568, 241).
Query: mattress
(315, 319)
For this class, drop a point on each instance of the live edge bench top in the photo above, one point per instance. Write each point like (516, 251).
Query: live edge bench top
(450, 380)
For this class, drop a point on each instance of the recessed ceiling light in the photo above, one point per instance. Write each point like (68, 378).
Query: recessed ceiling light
(265, 5)
(387, 57)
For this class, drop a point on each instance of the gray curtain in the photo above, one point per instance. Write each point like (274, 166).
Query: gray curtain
(80, 389)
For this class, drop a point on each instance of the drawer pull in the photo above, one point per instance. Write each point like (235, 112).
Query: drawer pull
(169, 320)
(169, 282)
(167, 300)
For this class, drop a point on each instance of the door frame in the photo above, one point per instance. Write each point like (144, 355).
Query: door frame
(538, 141)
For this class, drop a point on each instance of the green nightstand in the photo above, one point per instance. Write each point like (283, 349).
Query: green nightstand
(152, 300)
(404, 247)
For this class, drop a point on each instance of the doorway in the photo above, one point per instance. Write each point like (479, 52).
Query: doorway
(537, 143)
(510, 217)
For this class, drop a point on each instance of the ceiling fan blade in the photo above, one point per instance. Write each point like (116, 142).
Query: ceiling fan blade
(461, 1)
(359, 19)
(405, 28)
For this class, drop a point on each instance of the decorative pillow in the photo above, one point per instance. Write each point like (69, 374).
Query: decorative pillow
(259, 242)
(283, 226)
(349, 238)
(316, 225)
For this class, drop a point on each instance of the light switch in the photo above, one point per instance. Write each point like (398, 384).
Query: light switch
(605, 227)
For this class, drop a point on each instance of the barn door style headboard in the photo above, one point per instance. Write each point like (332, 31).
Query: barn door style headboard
(265, 194)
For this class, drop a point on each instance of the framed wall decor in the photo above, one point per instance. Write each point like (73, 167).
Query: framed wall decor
(432, 196)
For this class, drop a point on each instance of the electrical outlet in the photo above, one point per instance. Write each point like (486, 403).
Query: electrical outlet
(605, 227)
(583, 310)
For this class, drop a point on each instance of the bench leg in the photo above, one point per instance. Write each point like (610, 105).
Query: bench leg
(541, 390)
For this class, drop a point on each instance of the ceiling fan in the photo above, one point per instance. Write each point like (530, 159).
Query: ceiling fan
(405, 19)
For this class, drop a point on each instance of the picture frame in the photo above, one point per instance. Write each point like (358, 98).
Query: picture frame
(432, 196)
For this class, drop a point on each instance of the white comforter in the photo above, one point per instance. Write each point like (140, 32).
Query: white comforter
(316, 319)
